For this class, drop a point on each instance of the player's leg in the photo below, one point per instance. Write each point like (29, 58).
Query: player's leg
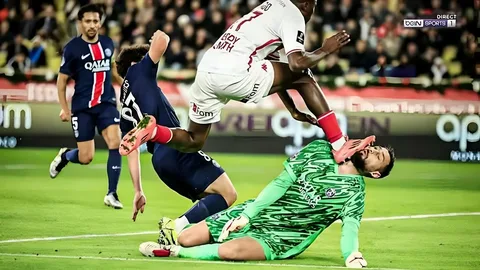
(217, 197)
(198, 177)
(108, 125)
(241, 249)
(194, 242)
(205, 109)
(83, 126)
(316, 102)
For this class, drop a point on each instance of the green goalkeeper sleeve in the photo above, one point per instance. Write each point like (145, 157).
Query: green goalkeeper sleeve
(349, 240)
(271, 193)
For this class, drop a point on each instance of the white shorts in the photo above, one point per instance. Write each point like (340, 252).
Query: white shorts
(211, 91)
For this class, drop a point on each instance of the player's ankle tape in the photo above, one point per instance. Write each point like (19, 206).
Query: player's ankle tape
(163, 135)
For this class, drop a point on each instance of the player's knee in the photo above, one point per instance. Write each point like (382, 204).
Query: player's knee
(85, 158)
(186, 238)
(230, 252)
(230, 196)
(113, 143)
(112, 140)
(307, 84)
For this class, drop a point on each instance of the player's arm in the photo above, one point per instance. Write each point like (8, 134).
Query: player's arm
(351, 217)
(134, 167)
(270, 194)
(292, 32)
(62, 80)
(66, 70)
(115, 74)
(158, 45)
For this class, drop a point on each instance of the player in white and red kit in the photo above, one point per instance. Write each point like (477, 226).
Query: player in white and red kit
(235, 69)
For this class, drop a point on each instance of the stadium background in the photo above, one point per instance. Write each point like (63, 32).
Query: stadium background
(411, 88)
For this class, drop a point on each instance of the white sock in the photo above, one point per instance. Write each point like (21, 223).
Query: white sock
(338, 143)
(181, 223)
(174, 250)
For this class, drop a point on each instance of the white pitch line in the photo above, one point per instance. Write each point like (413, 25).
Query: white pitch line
(37, 166)
(183, 261)
(155, 232)
(75, 237)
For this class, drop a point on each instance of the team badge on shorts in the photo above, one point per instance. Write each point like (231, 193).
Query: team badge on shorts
(108, 52)
(330, 192)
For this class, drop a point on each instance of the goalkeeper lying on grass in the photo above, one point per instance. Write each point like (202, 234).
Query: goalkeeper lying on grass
(290, 213)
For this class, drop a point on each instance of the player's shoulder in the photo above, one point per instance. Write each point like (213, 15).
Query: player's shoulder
(103, 38)
(320, 145)
(291, 12)
(72, 43)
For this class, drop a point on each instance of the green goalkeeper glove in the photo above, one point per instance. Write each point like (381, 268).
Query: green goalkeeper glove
(355, 260)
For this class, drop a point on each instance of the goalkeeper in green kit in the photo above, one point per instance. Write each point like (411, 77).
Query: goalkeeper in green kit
(311, 193)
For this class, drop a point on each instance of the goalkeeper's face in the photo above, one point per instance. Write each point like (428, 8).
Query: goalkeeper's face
(372, 161)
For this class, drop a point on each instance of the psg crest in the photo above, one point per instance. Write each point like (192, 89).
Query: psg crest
(108, 52)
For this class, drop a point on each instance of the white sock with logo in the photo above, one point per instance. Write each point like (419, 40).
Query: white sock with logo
(181, 223)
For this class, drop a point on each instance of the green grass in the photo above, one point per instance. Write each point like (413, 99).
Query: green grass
(33, 205)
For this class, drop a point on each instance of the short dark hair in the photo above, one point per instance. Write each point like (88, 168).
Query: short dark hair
(89, 8)
(389, 167)
(130, 54)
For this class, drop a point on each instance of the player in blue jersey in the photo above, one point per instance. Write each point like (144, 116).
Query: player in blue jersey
(87, 60)
(195, 176)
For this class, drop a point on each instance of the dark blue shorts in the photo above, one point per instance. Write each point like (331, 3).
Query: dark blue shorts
(189, 174)
(100, 116)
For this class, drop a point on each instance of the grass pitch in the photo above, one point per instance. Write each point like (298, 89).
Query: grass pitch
(35, 206)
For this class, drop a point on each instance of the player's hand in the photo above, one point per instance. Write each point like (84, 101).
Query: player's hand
(160, 35)
(356, 260)
(65, 115)
(139, 202)
(335, 42)
(303, 117)
(233, 225)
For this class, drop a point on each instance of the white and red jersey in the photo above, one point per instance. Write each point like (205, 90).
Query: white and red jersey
(273, 25)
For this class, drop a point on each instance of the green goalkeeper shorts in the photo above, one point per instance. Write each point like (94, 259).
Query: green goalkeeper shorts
(216, 222)
(260, 230)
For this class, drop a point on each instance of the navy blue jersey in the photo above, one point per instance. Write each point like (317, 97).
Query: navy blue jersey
(141, 95)
(89, 65)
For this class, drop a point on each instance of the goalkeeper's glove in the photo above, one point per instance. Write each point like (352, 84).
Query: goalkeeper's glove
(233, 225)
(356, 260)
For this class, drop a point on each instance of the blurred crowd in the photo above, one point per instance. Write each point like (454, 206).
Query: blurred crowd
(32, 33)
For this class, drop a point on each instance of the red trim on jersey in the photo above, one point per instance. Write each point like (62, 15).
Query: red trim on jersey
(98, 77)
(292, 51)
(270, 42)
(255, 15)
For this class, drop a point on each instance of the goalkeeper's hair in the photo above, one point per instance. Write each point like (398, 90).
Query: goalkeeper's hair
(390, 165)
(130, 54)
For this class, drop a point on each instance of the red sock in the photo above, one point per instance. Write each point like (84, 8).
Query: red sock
(328, 122)
(163, 135)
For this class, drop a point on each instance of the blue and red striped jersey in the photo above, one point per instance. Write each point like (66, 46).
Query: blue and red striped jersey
(89, 64)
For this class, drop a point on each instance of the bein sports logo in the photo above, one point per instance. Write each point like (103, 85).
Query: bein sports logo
(98, 65)
(464, 131)
(7, 110)
(299, 130)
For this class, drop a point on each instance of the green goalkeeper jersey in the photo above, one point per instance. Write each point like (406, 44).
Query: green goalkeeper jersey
(316, 195)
